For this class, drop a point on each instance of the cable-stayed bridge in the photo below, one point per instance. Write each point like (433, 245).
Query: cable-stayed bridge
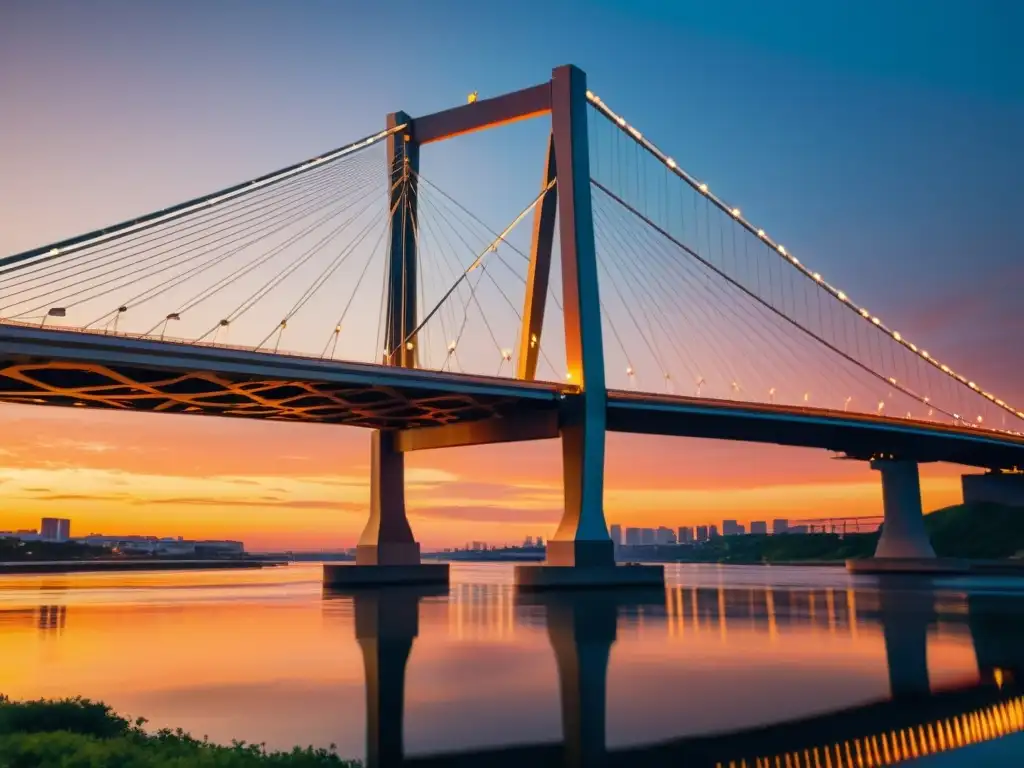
(623, 294)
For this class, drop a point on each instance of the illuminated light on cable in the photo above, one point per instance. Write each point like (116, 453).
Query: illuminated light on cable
(913, 347)
(506, 354)
(703, 188)
(621, 121)
(782, 249)
(667, 376)
(817, 277)
(864, 313)
(55, 251)
(736, 212)
(927, 399)
(972, 385)
(896, 335)
(876, 321)
(841, 296)
(980, 420)
(337, 329)
(945, 368)
(629, 370)
(635, 132)
(408, 345)
(881, 405)
(925, 355)
(760, 233)
(892, 380)
(1000, 402)
(451, 346)
(590, 95)
(771, 394)
(670, 163)
(807, 397)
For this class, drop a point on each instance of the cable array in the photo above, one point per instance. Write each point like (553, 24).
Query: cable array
(706, 305)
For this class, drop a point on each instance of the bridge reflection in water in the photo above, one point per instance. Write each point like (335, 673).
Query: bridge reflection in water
(915, 721)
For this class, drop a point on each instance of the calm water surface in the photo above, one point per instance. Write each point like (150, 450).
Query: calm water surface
(852, 671)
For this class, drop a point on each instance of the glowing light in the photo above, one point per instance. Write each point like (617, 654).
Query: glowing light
(506, 354)
(635, 132)
(760, 233)
(590, 95)
(876, 321)
(817, 277)
(972, 385)
(408, 345)
(892, 380)
(782, 249)
(471, 98)
(945, 368)
(807, 397)
(864, 313)
(736, 212)
(621, 121)
(629, 370)
(881, 405)
(841, 296)
(795, 260)
(337, 329)
(703, 188)
(568, 375)
(670, 163)
(924, 354)
(896, 335)
(927, 399)
(980, 419)
(913, 347)
(451, 347)
(55, 251)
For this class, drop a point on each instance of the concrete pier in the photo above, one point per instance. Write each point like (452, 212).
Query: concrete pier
(387, 553)
(904, 546)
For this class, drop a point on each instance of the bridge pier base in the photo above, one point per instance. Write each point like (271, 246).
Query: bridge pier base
(387, 553)
(903, 532)
(904, 546)
(581, 554)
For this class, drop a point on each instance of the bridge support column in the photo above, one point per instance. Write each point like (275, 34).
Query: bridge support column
(387, 553)
(903, 533)
(580, 553)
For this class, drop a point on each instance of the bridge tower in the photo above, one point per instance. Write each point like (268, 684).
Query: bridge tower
(580, 552)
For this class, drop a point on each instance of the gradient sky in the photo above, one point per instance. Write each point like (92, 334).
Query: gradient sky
(879, 140)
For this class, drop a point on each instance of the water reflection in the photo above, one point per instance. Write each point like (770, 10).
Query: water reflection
(784, 666)
(582, 628)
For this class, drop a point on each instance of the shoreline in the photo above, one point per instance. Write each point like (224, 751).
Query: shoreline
(29, 567)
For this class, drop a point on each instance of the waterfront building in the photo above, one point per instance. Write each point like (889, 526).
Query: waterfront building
(55, 529)
(731, 528)
(615, 532)
(702, 533)
(759, 527)
(780, 525)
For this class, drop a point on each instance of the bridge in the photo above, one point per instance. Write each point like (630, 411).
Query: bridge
(638, 301)
(916, 720)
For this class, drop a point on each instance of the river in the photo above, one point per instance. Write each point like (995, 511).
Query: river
(834, 663)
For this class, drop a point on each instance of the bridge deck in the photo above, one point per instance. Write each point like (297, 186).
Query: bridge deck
(46, 366)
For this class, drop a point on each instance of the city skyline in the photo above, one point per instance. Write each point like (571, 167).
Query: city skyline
(870, 113)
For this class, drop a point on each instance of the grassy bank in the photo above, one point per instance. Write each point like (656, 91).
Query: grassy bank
(79, 732)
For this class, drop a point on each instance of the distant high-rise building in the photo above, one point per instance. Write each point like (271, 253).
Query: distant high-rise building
(529, 542)
(731, 528)
(540, 541)
(684, 535)
(780, 526)
(647, 536)
(664, 536)
(712, 531)
(759, 527)
(633, 536)
(55, 529)
(702, 533)
(615, 531)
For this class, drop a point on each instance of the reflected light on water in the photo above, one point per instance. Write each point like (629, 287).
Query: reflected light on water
(846, 671)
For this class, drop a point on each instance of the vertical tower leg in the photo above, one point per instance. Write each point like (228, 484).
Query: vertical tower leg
(903, 533)
(403, 157)
(580, 553)
(539, 272)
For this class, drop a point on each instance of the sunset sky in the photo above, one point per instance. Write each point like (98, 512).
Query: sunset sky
(882, 141)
